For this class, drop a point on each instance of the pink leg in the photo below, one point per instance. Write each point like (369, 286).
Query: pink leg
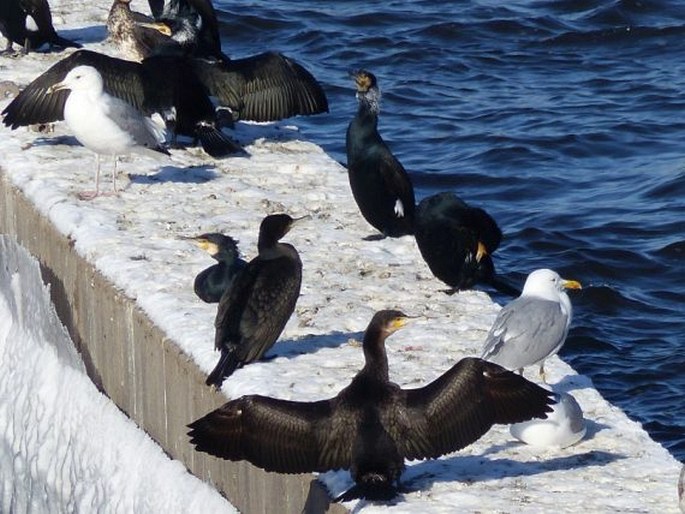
(89, 195)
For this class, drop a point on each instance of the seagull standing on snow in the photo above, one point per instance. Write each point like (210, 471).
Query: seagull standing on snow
(534, 326)
(103, 123)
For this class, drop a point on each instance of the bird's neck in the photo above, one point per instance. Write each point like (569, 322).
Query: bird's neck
(566, 307)
(367, 112)
(362, 131)
(370, 101)
(267, 249)
(276, 250)
(375, 355)
(226, 257)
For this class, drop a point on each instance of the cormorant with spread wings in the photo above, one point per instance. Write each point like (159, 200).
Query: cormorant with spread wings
(372, 425)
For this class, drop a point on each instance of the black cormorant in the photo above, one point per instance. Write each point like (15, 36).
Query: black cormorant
(28, 23)
(264, 87)
(211, 283)
(380, 185)
(163, 85)
(372, 425)
(190, 25)
(253, 313)
(456, 240)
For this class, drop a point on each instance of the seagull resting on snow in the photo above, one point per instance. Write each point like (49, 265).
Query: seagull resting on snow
(534, 326)
(105, 124)
(563, 427)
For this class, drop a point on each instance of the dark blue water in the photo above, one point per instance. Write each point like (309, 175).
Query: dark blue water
(564, 119)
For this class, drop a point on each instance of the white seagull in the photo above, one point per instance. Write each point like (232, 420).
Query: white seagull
(105, 124)
(564, 426)
(534, 326)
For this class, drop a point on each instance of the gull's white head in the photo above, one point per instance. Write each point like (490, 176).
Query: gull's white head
(547, 284)
(81, 78)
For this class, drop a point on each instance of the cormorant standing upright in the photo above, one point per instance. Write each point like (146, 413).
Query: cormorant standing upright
(456, 240)
(380, 185)
(372, 425)
(29, 23)
(211, 283)
(254, 311)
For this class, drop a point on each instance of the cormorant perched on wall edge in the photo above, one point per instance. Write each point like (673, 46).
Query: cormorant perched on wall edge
(372, 425)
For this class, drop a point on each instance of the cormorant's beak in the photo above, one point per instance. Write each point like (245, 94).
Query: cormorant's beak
(571, 284)
(57, 87)
(402, 321)
(361, 79)
(203, 243)
(481, 252)
(297, 221)
(159, 26)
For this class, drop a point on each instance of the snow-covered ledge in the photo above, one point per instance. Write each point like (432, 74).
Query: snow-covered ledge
(122, 281)
(141, 369)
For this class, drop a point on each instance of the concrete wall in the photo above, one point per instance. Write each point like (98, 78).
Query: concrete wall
(141, 369)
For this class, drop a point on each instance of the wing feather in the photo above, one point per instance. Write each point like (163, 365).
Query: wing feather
(460, 406)
(397, 181)
(276, 435)
(525, 331)
(243, 320)
(264, 87)
(35, 105)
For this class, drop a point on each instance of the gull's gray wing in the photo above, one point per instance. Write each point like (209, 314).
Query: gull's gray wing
(526, 331)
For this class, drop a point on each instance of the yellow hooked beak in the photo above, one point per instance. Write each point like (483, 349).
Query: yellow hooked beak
(571, 284)
(160, 27)
(297, 221)
(362, 80)
(481, 252)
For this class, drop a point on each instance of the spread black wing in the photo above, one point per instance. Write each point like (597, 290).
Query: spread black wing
(460, 406)
(265, 87)
(277, 435)
(36, 105)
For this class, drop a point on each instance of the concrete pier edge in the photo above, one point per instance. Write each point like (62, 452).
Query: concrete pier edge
(141, 369)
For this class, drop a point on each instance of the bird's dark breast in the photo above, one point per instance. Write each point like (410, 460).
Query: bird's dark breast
(375, 202)
(376, 459)
(377, 179)
(279, 283)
